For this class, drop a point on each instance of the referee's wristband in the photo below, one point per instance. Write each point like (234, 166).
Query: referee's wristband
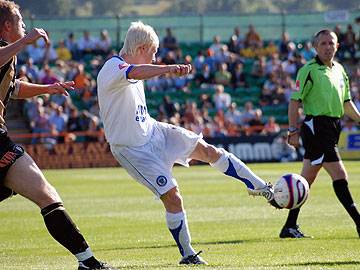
(292, 130)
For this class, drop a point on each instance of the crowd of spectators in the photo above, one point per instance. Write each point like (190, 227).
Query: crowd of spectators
(219, 67)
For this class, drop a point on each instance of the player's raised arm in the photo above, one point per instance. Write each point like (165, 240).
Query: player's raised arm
(147, 71)
(9, 51)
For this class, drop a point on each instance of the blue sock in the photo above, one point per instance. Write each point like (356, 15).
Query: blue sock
(230, 165)
(177, 224)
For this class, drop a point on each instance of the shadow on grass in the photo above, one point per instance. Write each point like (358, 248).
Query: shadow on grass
(171, 265)
(202, 243)
(334, 263)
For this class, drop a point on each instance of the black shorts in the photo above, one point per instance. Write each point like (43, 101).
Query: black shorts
(9, 153)
(320, 136)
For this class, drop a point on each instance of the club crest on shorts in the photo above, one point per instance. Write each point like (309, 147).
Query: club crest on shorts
(161, 180)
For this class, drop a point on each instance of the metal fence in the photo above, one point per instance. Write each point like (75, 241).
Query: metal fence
(200, 28)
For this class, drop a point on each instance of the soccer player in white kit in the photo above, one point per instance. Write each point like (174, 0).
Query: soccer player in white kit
(148, 149)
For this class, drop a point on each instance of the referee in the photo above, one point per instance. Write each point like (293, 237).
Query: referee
(322, 87)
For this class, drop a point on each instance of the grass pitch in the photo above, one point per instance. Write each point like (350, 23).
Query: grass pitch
(125, 225)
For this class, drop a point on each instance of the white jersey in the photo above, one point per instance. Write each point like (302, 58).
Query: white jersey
(123, 109)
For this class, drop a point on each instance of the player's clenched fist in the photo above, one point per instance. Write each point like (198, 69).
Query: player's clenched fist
(180, 70)
(35, 34)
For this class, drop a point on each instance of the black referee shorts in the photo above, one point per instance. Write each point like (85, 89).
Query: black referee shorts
(9, 153)
(320, 136)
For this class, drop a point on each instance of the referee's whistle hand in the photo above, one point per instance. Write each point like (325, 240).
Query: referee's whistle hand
(293, 140)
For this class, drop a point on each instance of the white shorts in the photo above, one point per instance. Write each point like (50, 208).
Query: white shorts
(151, 164)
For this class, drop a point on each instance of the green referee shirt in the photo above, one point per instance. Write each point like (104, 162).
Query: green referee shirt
(321, 89)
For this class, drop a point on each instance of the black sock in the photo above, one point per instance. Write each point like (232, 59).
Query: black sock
(292, 218)
(63, 229)
(91, 262)
(343, 194)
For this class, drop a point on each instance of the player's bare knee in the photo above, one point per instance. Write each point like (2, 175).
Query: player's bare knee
(172, 200)
(211, 153)
(46, 195)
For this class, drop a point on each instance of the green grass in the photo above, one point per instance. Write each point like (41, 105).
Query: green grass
(125, 225)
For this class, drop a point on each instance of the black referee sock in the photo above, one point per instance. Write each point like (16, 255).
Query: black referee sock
(343, 194)
(292, 218)
(63, 229)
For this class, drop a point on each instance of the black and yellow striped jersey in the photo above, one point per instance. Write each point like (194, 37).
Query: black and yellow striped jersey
(7, 83)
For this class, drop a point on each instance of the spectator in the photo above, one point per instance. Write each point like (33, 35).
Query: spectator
(221, 99)
(86, 44)
(205, 78)
(299, 60)
(283, 46)
(190, 113)
(232, 114)
(341, 37)
(266, 97)
(32, 70)
(32, 106)
(259, 68)
(81, 79)
(72, 46)
(168, 107)
(169, 42)
(59, 119)
(252, 37)
(279, 96)
(60, 70)
(224, 55)
(50, 54)
(248, 113)
(73, 124)
(62, 51)
(238, 76)
(48, 76)
(236, 41)
(271, 49)
(289, 85)
(94, 130)
(199, 60)
(103, 44)
(40, 124)
(285, 152)
(210, 60)
(35, 52)
(271, 83)
(271, 127)
(308, 52)
(350, 43)
(169, 58)
(206, 102)
(204, 114)
(216, 46)
(251, 51)
(23, 75)
(291, 50)
(289, 66)
(273, 65)
(222, 75)
(219, 124)
(256, 124)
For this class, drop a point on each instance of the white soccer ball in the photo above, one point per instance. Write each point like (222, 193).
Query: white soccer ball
(291, 191)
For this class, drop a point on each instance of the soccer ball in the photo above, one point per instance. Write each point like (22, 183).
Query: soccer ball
(291, 191)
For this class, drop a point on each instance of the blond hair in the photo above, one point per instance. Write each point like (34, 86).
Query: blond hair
(138, 35)
(7, 11)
